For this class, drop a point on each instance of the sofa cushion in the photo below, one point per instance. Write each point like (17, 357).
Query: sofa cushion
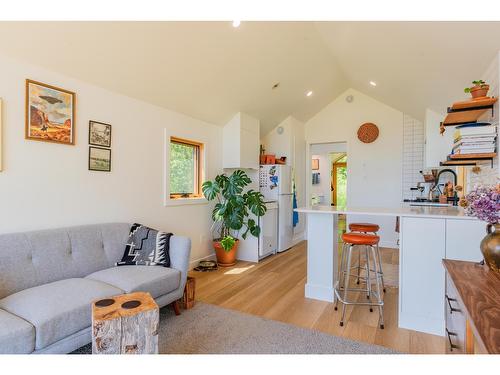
(156, 280)
(17, 336)
(57, 309)
(146, 247)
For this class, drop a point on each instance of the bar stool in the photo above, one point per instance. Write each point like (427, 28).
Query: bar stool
(369, 242)
(368, 228)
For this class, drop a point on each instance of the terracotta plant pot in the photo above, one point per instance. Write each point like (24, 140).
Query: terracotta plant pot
(490, 247)
(479, 91)
(225, 258)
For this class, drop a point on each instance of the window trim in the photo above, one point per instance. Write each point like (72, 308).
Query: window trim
(199, 172)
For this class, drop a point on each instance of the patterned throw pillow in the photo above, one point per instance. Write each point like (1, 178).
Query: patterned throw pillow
(146, 247)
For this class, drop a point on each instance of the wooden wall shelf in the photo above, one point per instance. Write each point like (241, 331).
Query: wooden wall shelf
(468, 111)
(458, 163)
(467, 159)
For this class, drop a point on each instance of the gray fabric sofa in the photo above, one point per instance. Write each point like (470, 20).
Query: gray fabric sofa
(49, 278)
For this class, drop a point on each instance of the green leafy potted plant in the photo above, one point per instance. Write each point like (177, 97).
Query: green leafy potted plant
(231, 213)
(479, 90)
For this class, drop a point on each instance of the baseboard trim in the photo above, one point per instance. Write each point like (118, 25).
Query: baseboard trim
(194, 263)
(389, 244)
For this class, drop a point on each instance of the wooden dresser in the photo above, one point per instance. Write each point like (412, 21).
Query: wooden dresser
(472, 309)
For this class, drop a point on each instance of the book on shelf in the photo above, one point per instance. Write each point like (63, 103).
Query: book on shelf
(490, 130)
(474, 151)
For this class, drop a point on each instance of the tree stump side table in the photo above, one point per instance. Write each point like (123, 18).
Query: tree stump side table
(125, 324)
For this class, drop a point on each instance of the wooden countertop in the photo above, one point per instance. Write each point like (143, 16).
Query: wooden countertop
(479, 290)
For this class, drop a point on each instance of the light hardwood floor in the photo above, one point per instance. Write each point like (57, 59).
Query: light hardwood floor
(274, 289)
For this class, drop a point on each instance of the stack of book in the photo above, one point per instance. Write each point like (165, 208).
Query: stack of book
(475, 139)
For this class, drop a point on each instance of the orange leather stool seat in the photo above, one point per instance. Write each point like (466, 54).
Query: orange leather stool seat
(360, 239)
(364, 227)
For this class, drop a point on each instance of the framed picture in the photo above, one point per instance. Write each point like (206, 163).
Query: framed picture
(99, 134)
(50, 113)
(315, 164)
(99, 159)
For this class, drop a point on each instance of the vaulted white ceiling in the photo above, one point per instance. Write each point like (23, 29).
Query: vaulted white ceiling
(210, 70)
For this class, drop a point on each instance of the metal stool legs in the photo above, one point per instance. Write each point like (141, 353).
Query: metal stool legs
(342, 288)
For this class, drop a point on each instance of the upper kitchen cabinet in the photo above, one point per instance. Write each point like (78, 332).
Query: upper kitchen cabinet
(241, 140)
(437, 146)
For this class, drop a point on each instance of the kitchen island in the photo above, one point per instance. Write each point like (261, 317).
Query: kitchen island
(427, 235)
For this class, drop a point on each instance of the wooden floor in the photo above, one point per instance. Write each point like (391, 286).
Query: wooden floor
(274, 289)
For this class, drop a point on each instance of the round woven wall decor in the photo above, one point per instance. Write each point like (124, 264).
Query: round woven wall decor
(368, 132)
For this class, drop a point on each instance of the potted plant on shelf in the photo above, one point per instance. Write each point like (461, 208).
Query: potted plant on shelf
(483, 202)
(479, 90)
(231, 213)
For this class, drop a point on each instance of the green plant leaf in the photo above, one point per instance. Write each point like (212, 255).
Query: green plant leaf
(255, 231)
(255, 202)
(227, 243)
(210, 190)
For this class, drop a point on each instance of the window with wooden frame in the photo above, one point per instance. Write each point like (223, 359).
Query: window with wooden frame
(186, 168)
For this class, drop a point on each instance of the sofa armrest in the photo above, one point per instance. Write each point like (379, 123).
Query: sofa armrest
(180, 251)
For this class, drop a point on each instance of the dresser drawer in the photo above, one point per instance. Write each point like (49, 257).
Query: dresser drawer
(455, 321)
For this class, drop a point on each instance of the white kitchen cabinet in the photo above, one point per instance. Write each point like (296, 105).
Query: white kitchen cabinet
(241, 141)
(425, 242)
(437, 146)
(421, 302)
(463, 238)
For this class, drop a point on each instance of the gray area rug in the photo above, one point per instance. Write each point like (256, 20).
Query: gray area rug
(209, 329)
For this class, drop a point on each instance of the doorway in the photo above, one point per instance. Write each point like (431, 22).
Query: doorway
(339, 179)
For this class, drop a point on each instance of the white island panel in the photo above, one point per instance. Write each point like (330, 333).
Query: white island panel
(421, 274)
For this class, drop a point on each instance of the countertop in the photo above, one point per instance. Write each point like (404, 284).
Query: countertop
(479, 289)
(447, 212)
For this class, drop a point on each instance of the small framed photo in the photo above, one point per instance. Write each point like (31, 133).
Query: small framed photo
(315, 164)
(99, 134)
(99, 159)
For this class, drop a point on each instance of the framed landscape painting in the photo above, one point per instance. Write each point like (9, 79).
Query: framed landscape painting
(99, 159)
(99, 134)
(50, 113)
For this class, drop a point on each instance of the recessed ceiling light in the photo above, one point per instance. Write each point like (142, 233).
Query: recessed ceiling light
(373, 83)
(309, 93)
(236, 23)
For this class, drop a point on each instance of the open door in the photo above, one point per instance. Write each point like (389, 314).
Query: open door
(339, 180)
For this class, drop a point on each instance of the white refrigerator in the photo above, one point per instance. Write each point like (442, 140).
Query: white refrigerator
(275, 183)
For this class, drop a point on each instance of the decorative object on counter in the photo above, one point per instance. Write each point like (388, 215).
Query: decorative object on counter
(231, 213)
(483, 202)
(268, 159)
(99, 159)
(50, 113)
(368, 132)
(281, 161)
(479, 90)
(476, 169)
(99, 134)
(262, 156)
(315, 164)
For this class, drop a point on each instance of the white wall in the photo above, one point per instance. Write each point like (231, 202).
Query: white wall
(373, 170)
(46, 185)
(291, 143)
